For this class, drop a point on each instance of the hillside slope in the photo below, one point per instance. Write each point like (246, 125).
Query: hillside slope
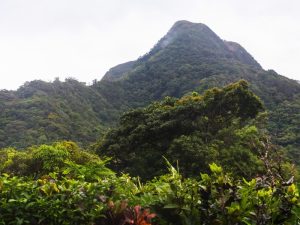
(41, 112)
(189, 57)
(192, 56)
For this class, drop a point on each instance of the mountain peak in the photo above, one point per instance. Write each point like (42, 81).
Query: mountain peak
(185, 23)
(188, 43)
(185, 29)
(201, 40)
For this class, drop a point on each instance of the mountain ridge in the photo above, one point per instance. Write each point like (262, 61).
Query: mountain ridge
(205, 39)
(190, 57)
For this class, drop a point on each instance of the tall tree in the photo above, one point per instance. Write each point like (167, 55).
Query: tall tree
(196, 130)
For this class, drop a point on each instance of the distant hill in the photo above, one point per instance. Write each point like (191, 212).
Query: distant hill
(190, 57)
(41, 112)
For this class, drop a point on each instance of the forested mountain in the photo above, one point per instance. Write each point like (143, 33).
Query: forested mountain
(41, 112)
(190, 57)
(194, 102)
(227, 170)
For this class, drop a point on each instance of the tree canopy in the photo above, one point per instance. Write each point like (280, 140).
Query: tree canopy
(218, 126)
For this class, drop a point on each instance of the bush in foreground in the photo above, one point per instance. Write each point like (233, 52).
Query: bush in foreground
(215, 198)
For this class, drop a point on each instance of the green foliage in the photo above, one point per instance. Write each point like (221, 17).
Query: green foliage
(61, 157)
(49, 201)
(218, 126)
(215, 198)
(218, 198)
(40, 113)
(285, 124)
(49, 158)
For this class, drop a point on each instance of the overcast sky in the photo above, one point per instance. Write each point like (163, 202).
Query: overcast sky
(44, 39)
